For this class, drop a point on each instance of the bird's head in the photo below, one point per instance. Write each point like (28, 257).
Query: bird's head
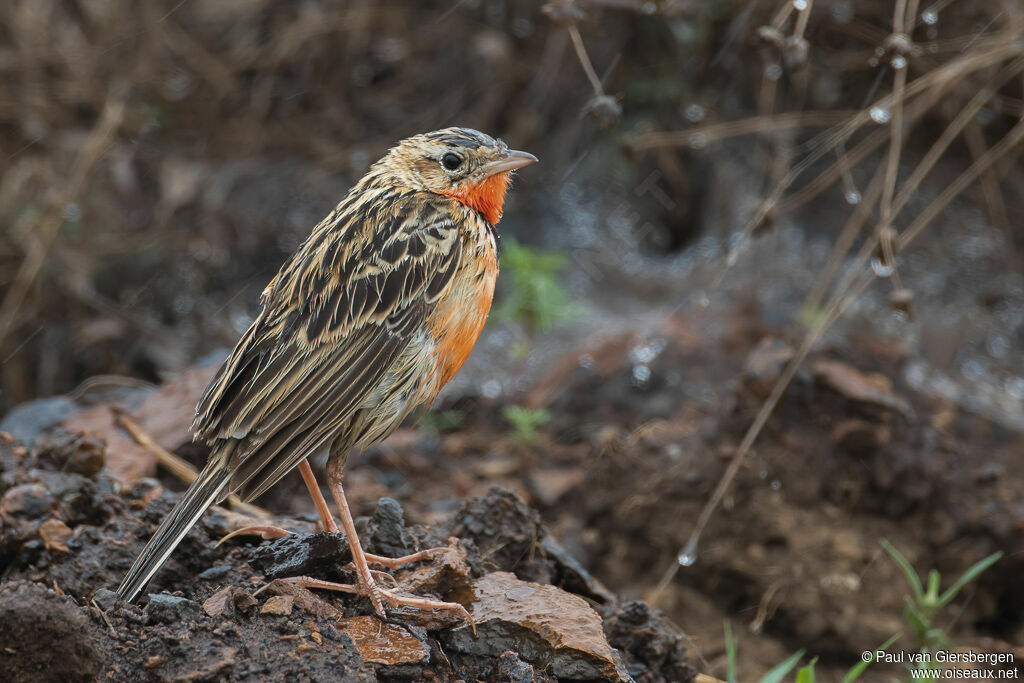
(464, 164)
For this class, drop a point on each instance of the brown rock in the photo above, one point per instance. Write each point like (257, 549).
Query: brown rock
(280, 605)
(221, 603)
(382, 643)
(864, 387)
(167, 413)
(301, 598)
(546, 625)
(244, 601)
(54, 533)
(126, 459)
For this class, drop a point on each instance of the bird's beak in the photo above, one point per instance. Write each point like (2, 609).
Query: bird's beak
(512, 160)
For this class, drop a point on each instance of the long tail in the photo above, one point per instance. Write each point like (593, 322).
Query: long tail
(205, 490)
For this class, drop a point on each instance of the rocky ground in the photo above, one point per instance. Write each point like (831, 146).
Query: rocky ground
(555, 537)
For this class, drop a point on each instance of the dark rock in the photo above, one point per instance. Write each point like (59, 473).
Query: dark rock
(44, 637)
(215, 572)
(321, 555)
(106, 598)
(387, 529)
(28, 420)
(511, 669)
(168, 609)
(505, 530)
(73, 452)
(30, 501)
(653, 649)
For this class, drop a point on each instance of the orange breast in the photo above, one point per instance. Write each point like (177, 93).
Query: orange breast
(460, 317)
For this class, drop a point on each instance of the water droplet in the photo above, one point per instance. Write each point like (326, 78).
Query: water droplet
(698, 141)
(703, 301)
(641, 375)
(776, 485)
(899, 62)
(649, 8)
(799, 5)
(773, 72)
(881, 269)
(879, 51)
(73, 212)
(689, 554)
(763, 474)
(929, 16)
(852, 197)
(694, 113)
(880, 114)
(873, 62)
(491, 388)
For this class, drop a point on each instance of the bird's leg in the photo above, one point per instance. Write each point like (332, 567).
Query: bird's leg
(327, 522)
(378, 596)
(329, 525)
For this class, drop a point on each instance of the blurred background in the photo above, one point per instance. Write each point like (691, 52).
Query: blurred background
(725, 188)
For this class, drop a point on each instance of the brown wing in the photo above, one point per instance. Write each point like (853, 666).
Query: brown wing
(333, 322)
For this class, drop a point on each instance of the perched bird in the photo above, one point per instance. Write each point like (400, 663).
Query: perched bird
(376, 311)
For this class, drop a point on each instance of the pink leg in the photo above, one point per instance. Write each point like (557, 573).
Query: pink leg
(378, 596)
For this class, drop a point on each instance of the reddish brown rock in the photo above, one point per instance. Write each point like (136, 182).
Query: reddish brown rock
(546, 625)
(382, 643)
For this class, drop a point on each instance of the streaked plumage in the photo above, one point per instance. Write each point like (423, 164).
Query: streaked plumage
(378, 308)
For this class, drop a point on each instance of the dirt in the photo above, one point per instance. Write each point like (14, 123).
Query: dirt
(585, 516)
(223, 613)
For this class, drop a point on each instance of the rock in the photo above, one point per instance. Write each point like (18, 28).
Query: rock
(302, 598)
(382, 643)
(44, 637)
(862, 387)
(321, 555)
(444, 574)
(106, 598)
(279, 605)
(215, 572)
(30, 501)
(54, 534)
(512, 669)
(126, 459)
(167, 413)
(73, 452)
(169, 609)
(387, 529)
(765, 364)
(28, 420)
(544, 624)
(505, 530)
(654, 650)
(244, 601)
(221, 603)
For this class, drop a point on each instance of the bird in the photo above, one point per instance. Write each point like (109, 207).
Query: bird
(375, 311)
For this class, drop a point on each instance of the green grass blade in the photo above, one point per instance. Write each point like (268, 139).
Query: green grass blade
(856, 670)
(968, 576)
(806, 673)
(730, 652)
(780, 671)
(908, 570)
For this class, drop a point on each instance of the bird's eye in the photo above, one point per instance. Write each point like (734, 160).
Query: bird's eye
(451, 161)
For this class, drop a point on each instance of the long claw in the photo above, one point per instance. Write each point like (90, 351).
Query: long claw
(267, 533)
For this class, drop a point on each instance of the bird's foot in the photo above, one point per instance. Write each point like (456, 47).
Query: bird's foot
(383, 596)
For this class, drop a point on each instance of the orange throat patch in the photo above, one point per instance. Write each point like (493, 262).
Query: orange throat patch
(487, 196)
